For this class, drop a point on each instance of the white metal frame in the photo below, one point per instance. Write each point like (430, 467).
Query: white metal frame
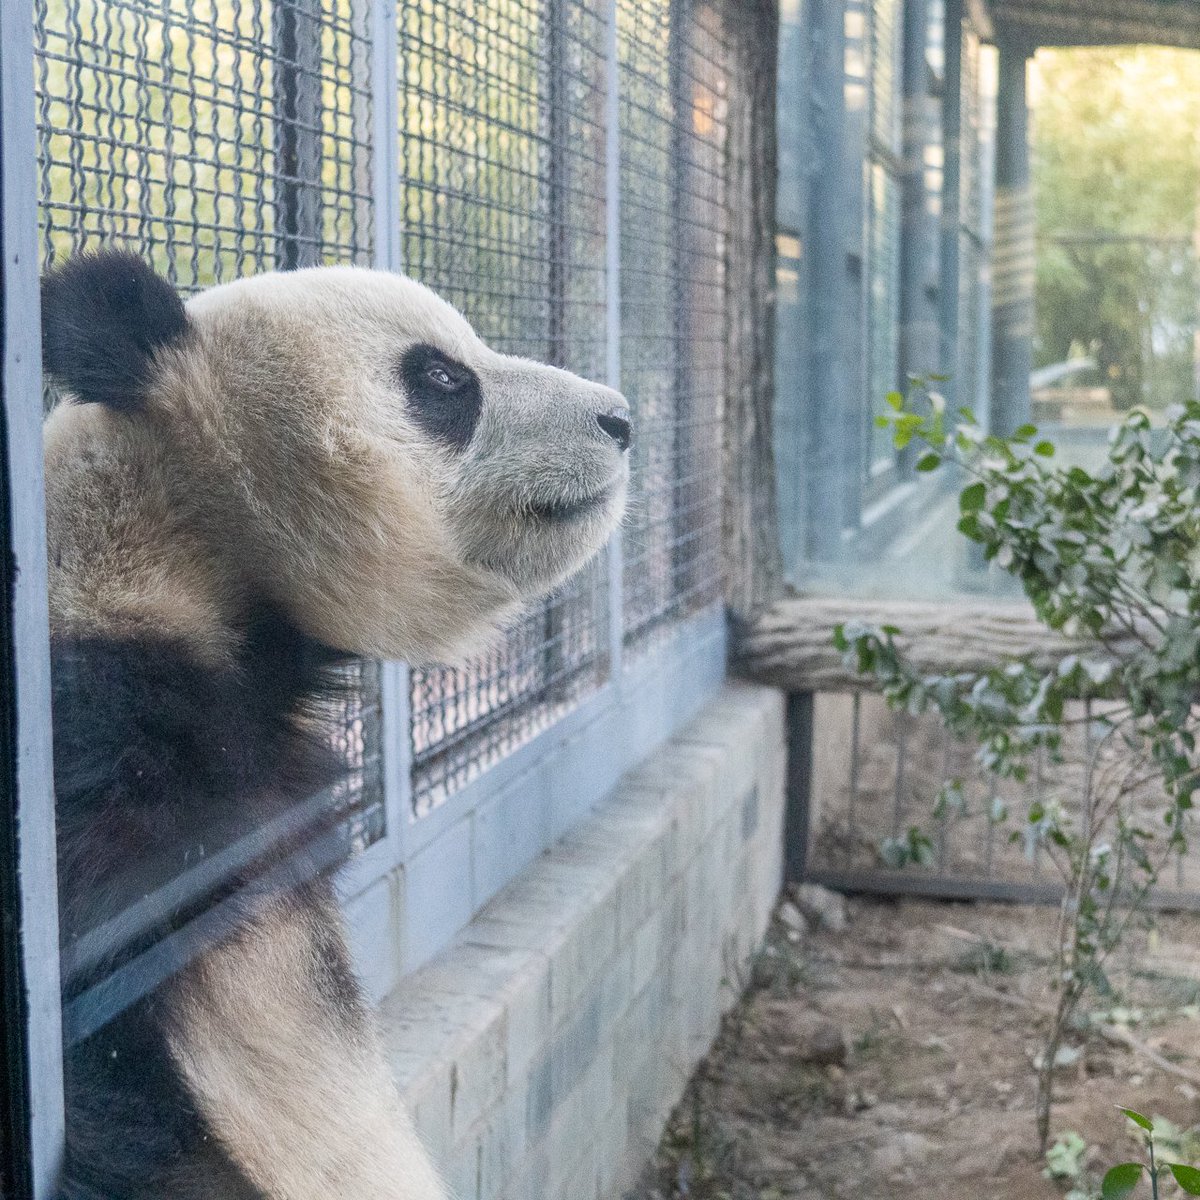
(31, 634)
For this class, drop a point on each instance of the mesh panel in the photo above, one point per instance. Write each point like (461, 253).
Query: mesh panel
(217, 139)
(502, 164)
(672, 115)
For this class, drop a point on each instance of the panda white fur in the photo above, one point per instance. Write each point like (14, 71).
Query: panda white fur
(241, 491)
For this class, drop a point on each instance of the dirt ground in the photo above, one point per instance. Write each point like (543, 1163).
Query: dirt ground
(895, 1059)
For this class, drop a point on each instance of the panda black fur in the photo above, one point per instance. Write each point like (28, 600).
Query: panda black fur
(241, 492)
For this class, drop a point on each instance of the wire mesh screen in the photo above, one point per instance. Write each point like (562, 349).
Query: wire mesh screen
(900, 804)
(502, 160)
(216, 140)
(672, 135)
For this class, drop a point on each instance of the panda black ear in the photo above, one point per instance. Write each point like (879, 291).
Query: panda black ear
(103, 317)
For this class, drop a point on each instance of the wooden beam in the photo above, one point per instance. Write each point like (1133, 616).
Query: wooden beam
(753, 566)
(790, 646)
(1098, 22)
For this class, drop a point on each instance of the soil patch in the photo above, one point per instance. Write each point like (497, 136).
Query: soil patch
(895, 1058)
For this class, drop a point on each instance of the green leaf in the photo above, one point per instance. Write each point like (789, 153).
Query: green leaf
(1137, 1118)
(1121, 1180)
(894, 400)
(929, 462)
(1188, 1178)
(1025, 432)
(1045, 449)
(972, 497)
(882, 421)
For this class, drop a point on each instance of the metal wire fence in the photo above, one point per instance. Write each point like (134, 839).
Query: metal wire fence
(216, 138)
(503, 162)
(507, 217)
(219, 138)
(672, 120)
(901, 805)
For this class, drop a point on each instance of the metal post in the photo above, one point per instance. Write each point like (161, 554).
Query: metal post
(828, 394)
(901, 763)
(792, 247)
(557, 89)
(948, 256)
(395, 686)
(918, 247)
(1012, 247)
(32, 1122)
(799, 785)
(297, 46)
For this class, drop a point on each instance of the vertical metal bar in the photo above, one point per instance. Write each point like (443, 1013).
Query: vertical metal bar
(855, 736)
(1039, 791)
(1088, 750)
(901, 761)
(944, 823)
(612, 298)
(918, 316)
(557, 247)
(297, 46)
(990, 839)
(32, 1132)
(385, 140)
(395, 695)
(1013, 248)
(799, 785)
(949, 262)
(827, 279)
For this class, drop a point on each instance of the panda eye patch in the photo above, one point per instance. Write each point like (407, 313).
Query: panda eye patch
(442, 394)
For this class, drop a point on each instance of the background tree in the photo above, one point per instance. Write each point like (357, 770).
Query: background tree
(1116, 169)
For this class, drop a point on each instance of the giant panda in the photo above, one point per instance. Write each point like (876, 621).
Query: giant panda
(241, 491)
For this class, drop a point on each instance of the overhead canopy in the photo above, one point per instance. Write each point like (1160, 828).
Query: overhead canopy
(1098, 22)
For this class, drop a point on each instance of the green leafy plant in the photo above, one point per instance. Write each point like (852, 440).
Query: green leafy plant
(1123, 1180)
(1111, 559)
(1065, 1162)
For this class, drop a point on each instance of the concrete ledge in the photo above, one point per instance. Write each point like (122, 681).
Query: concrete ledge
(541, 1053)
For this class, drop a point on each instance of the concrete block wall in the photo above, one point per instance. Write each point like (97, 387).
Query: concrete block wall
(542, 1052)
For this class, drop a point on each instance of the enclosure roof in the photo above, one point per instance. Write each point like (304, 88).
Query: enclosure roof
(1099, 22)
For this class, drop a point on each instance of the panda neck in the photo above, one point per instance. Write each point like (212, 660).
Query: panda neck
(133, 557)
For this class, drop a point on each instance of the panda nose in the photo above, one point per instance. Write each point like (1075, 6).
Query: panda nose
(616, 425)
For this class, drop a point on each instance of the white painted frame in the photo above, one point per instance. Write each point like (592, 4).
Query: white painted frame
(22, 357)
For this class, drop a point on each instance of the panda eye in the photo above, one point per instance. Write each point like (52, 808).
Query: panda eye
(444, 396)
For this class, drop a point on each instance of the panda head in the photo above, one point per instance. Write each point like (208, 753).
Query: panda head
(343, 446)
